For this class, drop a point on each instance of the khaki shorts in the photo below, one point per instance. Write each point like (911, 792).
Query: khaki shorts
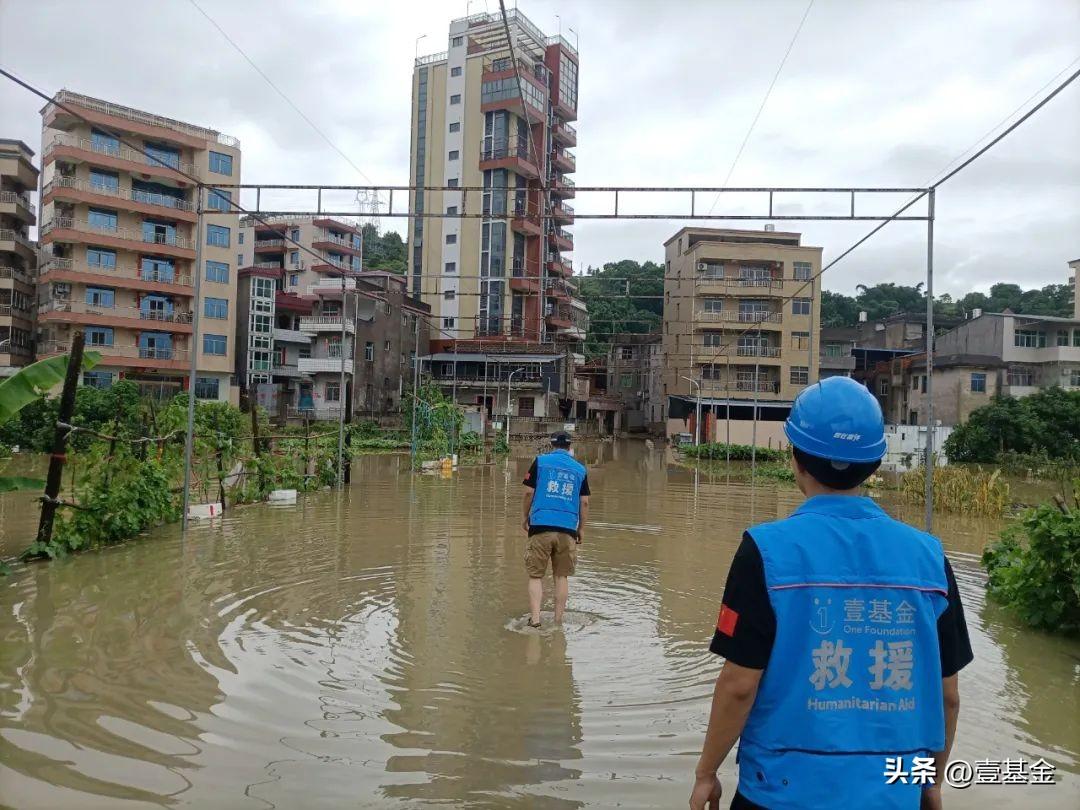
(559, 547)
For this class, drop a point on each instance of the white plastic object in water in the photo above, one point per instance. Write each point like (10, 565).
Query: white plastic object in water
(201, 511)
(282, 496)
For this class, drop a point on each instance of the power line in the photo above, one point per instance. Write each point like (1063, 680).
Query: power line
(278, 90)
(764, 101)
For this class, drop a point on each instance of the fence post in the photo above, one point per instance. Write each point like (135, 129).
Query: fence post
(256, 444)
(50, 501)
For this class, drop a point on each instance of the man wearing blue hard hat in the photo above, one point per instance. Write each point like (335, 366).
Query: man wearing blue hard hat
(843, 634)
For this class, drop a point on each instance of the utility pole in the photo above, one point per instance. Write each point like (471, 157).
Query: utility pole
(509, 380)
(697, 410)
(415, 386)
(57, 458)
(929, 462)
(193, 349)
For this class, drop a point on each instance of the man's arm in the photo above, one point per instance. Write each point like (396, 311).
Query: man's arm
(583, 515)
(950, 690)
(526, 505)
(733, 697)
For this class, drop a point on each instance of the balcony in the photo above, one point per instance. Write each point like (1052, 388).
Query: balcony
(758, 386)
(766, 286)
(517, 158)
(66, 229)
(332, 287)
(324, 365)
(563, 239)
(563, 110)
(120, 157)
(127, 276)
(19, 206)
(14, 242)
(80, 312)
(313, 324)
(522, 281)
(269, 245)
(16, 274)
(766, 319)
(11, 311)
(563, 213)
(558, 289)
(559, 317)
(71, 189)
(560, 267)
(562, 186)
(837, 362)
(291, 336)
(758, 351)
(290, 372)
(564, 160)
(134, 356)
(563, 133)
(328, 241)
(525, 223)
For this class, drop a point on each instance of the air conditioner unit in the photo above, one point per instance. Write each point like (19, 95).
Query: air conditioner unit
(702, 266)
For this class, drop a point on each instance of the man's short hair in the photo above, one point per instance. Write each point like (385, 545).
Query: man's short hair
(560, 439)
(835, 474)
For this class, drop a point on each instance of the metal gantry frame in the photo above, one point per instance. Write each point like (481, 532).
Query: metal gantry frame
(770, 211)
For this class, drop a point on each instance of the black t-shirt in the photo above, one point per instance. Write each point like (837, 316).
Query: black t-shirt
(749, 638)
(530, 482)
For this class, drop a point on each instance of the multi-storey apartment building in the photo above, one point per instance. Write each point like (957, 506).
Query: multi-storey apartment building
(119, 230)
(306, 321)
(741, 320)
(18, 255)
(504, 277)
(1074, 282)
(634, 372)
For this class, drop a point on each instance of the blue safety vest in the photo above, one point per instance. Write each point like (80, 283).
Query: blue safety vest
(855, 670)
(556, 499)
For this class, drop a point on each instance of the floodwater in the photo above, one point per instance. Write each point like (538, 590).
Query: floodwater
(364, 649)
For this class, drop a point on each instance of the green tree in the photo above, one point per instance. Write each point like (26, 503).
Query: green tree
(1045, 423)
(384, 252)
(623, 296)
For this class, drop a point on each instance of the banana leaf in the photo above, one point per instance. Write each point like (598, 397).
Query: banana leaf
(35, 380)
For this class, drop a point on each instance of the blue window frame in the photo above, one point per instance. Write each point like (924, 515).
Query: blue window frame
(207, 387)
(356, 241)
(219, 200)
(294, 234)
(101, 219)
(101, 297)
(294, 280)
(216, 308)
(214, 344)
(104, 142)
(221, 163)
(97, 379)
(217, 271)
(99, 336)
(217, 235)
(356, 263)
(240, 238)
(294, 257)
(156, 308)
(157, 270)
(978, 382)
(100, 257)
(104, 181)
(155, 346)
(156, 194)
(162, 155)
(158, 233)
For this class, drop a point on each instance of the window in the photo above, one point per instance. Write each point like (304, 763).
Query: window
(503, 89)
(240, 238)
(455, 71)
(914, 382)
(217, 271)
(800, 340)
(207, 387)
(456, 41)
(626, 381)
(220, 164)
(1029, 339)
(802, 271)
(800, 306)
(452, 182)
(99, 336)
(219, 200)
(294, 280)
(386, 346)
(333, 392)
(451, 209)
(800, 375)
(294, 257)
(108, 182)
(449, 295)
(214, 344)
(978, 383)
(1021, 377)
(626, 352)
(455, 98)
(712, 305)
(162, 155)
(448, 323)
(883, 387)
(294, 234)
(101, 220)
(1076, 337)
(713, 339)
(1063, 337)
(216, 308)
(217, 235)
(97, 379)
(834, 349)
(455, 126)
(100, 297)
(239, 259)
(104, 143)
(1074, 377)
(453, 154)
(451, 239)
(526, 406)
(99, 257)
(369, 351)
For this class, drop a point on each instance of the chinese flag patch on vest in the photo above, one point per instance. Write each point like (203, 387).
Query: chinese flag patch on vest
(726, 621)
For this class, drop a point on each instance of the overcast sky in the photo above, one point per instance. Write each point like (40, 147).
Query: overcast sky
(875, 92)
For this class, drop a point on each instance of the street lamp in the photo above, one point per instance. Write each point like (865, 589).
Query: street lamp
(509, 381)
(697, 417)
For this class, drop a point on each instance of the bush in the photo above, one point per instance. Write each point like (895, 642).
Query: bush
(1046, 423)
(1035, 568)
(739, 452)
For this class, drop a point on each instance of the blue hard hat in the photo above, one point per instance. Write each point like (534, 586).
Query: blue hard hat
(837, 419)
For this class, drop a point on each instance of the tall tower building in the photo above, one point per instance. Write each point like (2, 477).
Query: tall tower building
(18, 255)
(118, 246)
(505, 277)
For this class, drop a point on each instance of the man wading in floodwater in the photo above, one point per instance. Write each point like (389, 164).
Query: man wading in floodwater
(554, 509)
(843, 633)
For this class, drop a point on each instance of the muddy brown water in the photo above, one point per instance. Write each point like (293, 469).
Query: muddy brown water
(363, 649)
